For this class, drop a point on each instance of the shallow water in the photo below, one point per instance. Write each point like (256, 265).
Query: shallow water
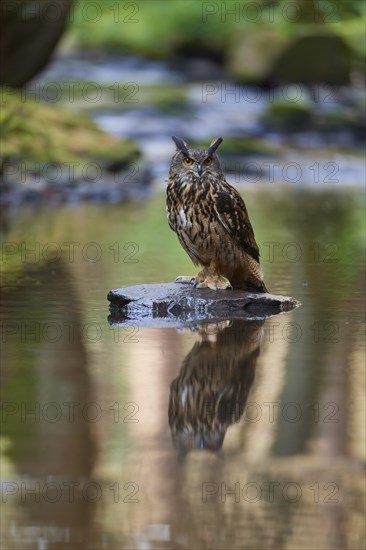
(239, 435)
(228, 436)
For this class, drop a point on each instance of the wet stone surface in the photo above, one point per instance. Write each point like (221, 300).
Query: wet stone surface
(175, 305)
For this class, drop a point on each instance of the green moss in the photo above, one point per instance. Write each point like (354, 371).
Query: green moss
(161, 29)
(247, 41)
(283, 115)
(166, 98)
(156, 29)
(40, 133)
(298, 116)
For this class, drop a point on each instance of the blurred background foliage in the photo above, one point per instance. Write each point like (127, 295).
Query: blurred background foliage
(255, 41)
(306, 41)
(215, 29)
(264, 43)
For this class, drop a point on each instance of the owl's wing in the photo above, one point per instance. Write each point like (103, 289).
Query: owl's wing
(233, 216)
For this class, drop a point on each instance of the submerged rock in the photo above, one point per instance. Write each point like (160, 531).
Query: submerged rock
(174, 304)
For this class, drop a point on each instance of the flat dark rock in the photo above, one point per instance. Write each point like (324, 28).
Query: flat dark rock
(176, 304)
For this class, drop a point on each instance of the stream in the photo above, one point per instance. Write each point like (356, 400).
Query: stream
(237, 434)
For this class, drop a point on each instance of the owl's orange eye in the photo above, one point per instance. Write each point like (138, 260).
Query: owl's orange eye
(187, 161)
(208, 161)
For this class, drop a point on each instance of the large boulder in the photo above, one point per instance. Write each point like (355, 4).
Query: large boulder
(267, 56)
(29, 33)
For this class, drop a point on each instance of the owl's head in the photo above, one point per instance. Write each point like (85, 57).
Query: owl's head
(195, 162)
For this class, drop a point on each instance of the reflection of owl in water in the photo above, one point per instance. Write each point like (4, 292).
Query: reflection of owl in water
(213, 385)
(211, 221)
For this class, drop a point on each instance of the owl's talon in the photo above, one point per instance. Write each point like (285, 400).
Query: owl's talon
(214, 283)
(185, 279)
(200, 285)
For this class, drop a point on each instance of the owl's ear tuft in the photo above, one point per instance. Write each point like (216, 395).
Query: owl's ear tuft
(181, 145)
(214, 145)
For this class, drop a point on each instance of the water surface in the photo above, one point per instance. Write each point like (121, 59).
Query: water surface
(235, 435)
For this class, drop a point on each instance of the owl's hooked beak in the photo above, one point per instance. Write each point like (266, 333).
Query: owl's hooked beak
(199, 169)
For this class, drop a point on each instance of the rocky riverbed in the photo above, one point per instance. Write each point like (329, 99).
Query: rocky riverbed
(292, 134)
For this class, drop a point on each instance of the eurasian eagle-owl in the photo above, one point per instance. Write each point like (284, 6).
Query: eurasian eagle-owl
(211, 221)
(213, 384)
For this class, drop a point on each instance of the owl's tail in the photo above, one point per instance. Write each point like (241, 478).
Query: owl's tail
(261, 287)
(249, 279)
